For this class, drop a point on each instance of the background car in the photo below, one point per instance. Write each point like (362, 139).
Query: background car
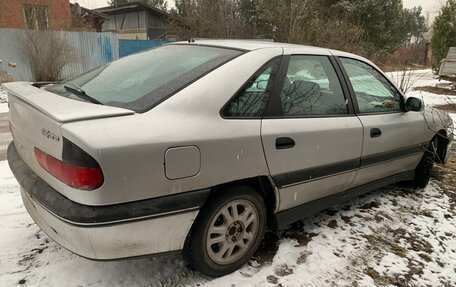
(202, 146)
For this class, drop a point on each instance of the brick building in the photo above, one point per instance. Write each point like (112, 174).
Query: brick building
(35, 14)
(48, 15)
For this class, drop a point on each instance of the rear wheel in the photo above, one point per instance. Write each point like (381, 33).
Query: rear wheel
(227, 231)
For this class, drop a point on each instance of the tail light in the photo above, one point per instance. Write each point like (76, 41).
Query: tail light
(76, 169)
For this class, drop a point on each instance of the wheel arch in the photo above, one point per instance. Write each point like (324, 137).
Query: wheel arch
(264, 185)
(442, 144)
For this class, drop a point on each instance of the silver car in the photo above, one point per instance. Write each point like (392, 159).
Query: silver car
(201, 146)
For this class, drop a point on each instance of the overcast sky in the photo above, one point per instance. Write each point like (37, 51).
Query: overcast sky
(428, 5)
(431, 6)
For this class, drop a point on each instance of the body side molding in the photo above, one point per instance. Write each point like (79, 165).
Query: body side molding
(289, 216)
(319, 172)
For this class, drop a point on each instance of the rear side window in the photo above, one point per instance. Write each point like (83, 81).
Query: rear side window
(374, 93)
(141, 81)
(251, 101)
(312, 88)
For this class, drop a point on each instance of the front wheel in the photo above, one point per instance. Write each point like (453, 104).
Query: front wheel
(424, 169)
(227, 232)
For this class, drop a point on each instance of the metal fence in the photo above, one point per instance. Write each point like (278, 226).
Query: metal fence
(92, 50)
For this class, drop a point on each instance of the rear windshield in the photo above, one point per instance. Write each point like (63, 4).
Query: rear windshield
(141, 81)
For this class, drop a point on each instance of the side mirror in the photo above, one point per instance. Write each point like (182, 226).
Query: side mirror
(413, 105)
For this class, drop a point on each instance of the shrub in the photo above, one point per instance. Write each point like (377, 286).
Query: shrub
(48, 52)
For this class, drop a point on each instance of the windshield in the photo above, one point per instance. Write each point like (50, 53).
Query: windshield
(141, 81)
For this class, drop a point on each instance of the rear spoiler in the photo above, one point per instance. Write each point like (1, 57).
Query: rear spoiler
(42, 84)
(60, 108)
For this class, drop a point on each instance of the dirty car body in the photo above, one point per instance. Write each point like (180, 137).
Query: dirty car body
(128, 173)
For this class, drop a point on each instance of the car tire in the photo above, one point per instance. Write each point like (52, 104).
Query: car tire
(424, 169)
(227, 231)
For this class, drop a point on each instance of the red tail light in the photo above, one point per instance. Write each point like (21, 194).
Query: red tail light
(78, 169)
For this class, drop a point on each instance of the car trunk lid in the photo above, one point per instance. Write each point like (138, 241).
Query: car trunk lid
(36, 117)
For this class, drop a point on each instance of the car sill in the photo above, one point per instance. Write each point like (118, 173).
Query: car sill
(289, 216)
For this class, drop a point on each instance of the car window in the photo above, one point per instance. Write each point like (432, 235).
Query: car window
(312, 88)
(251, 101)
(141, 81)
(374, 93)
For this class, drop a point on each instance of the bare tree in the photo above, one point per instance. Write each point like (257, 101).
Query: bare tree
(406, 78)
(47, 52)
(318, 23)
(214, 19)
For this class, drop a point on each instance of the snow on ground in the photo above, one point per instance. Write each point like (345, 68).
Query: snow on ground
(27, 255)
(3, 96)
(418, 78)
(3, 101)
(424, 78)
(391, 237)
(397, 234)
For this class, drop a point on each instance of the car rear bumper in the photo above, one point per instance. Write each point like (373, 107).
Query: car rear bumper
(116, 241)
(107, 232)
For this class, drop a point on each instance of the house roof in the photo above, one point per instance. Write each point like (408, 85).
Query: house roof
(129, 7)
(84, 10)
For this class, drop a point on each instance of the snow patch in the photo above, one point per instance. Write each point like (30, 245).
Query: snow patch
(3, 101)
(392, 265)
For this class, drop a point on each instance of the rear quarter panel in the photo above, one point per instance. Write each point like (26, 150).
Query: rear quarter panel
(131, 149)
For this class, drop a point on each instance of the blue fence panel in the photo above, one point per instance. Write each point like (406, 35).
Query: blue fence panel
(104, 44)
(128, 47)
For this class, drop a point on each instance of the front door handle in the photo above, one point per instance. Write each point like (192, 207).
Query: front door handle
(285, 143)
(375, 133)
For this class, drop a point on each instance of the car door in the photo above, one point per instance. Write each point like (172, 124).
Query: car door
(311, 137)
(393, 138)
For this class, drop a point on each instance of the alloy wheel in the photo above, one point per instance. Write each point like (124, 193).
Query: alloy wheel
(232, 231)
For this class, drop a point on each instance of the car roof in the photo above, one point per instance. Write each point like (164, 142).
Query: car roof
(251, 45)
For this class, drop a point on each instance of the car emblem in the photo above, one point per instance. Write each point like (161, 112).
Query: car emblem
(49, 135)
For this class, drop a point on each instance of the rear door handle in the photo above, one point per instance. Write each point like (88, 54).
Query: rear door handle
(375, 133)
(285, 143)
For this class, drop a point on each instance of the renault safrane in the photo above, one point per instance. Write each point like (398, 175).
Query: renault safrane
(202, 146)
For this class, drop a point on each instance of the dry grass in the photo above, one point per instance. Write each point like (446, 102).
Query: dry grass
(333, 224)
(451, 108)
(437, 90)
(446, 174)
(446, 178)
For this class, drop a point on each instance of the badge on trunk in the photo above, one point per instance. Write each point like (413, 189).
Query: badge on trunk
(50, 135)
